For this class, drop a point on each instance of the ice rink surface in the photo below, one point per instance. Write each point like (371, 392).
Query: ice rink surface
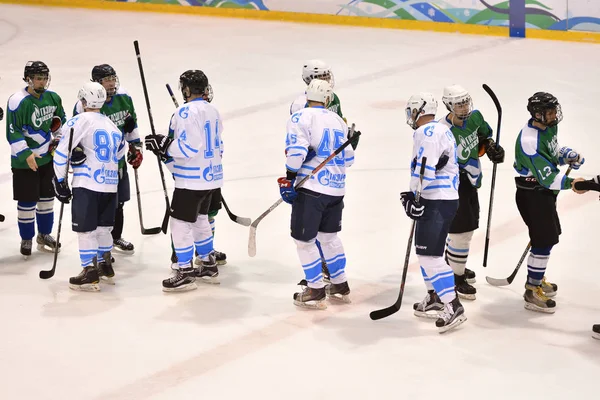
(245, 338)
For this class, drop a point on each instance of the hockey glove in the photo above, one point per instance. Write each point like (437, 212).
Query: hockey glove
(1, 113)
(134, 155)
(412, 207)
(129, 124)
(78, 156)
(311, 154)
(494, 153)
(286, 189)
(63, 193)
(567, 155)
(354, 139)
(56, 124)
(158, 144)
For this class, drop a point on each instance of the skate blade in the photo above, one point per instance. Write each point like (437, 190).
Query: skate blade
(466, 296)
(311, 305)
(183, 288)
(427, 314)
(214, 280)
(25, 257)
(533, 307)
(88, 287)
(125, 252)
(596, 335)
(107, 280)
(342, 298)
(46, 249)
(458, 321)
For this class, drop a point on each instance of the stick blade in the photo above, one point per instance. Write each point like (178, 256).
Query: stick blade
(151, 231)
(47, 274)
(243, 221)
(252, 241)
(384, 312)
(497, 282)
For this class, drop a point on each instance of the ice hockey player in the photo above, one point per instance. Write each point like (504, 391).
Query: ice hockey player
(119, 108)
(473, 138)
(95, 181)
(317, 69)
(317, 205)
(537, 158)
(435, 209)
(195, 147)
(33, 114)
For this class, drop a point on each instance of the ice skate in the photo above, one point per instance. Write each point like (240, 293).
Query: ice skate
(536, 300)
(221, 258)
(87, 280)
(311, 298)
(596, 331)
(549, 288)
(182, 280)
(46, 243)
(208, 271)
(105, 269)
(471, 277)
(26, 248)
(123, 246)
(430, 307)
(452, 316)
(463, 288)
(338, 291)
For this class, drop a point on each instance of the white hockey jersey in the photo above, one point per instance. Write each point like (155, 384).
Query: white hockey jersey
(197, 146)
(321, 131)
(436, 142)
(298, 104)
(103, 145)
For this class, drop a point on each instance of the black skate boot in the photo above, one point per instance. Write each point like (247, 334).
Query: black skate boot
(430, 306)
(338, 291)
(87, 280)
(549, 288)
(26, 248)
(220, 258)
(311, 298)
(208, 271)
(452, 316)
(46, 243)
(182, 280)
(536, 300)
(470, 276)
(123, 246)
(596, 331)
(105, 269)
(463, 288)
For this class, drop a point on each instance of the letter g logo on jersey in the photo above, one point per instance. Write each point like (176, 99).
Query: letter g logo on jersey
(184, 112)
(324, 177)
(208, 173)
(99, 175)
(428, 131)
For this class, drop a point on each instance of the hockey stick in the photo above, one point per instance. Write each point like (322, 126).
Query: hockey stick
(494, 168)
(511, 278)
(145, 231)
(386, 312)
(49, 274)
(254, 225)
(165, 222)
(239, 220)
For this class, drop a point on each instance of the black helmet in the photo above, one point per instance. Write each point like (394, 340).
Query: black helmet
(540, 103)
(99, 72)
(33, 68)
(197, 83)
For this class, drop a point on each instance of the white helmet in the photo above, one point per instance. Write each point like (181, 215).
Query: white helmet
(320, 91)
(458, 101)
(317, 69)
(94, 95)
(418, 106)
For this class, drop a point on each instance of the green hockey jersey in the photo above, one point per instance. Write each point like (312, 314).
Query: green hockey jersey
(536, 155)
(28, 122)
(467, 138)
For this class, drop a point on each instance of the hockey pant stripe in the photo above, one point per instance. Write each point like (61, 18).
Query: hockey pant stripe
(45, 215)
(536, 264)
(332, 250)
(202, 236)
